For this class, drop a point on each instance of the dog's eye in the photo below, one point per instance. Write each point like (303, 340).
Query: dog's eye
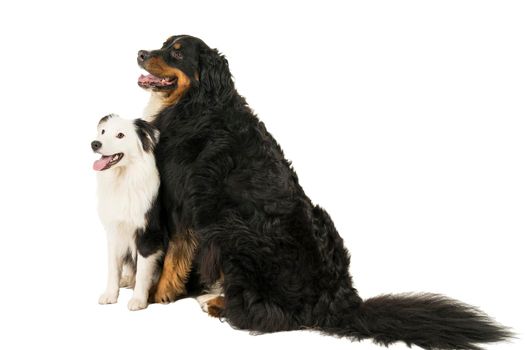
(103, 131)
(120, 135)
(176, 54)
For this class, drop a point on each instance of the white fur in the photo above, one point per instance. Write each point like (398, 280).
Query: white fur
(144, 279)
(153, 107)
(211, 293)
(125, 194)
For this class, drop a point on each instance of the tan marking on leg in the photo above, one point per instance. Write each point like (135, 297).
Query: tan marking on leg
(177, 265)
(216, 307)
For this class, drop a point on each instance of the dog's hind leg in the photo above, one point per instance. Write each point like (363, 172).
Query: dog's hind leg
(212, 302)
(245, 306)
(253, 298)
(216, 307)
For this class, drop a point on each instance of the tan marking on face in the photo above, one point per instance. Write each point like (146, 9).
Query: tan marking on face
(158, 67)
(177, 46)
(176, 268)
(183, 84)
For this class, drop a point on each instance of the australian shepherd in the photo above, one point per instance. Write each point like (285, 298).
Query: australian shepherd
(128, 184)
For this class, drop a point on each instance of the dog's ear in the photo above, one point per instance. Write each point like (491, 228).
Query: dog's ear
(105, 119)
(147, 133)
(215, 79)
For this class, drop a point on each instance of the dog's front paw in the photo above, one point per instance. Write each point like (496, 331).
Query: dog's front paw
(108, 298)
(163, 293)
(137, 304)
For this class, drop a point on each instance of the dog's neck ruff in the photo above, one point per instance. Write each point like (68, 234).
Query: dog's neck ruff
(154, 106)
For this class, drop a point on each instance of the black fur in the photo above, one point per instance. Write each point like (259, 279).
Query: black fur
(430, 321)
(284, 264)
(147, 134)
(154, 237)
(105, 119)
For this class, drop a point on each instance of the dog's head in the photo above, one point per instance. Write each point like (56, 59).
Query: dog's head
(122, 141)
(185, 65)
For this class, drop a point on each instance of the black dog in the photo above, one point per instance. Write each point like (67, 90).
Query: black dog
(237, 214)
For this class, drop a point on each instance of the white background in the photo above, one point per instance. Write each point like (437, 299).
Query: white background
(404, 119)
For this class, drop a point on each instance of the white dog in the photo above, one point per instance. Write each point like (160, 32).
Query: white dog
(128, 184)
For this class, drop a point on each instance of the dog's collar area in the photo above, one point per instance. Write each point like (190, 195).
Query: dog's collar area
(106, 162)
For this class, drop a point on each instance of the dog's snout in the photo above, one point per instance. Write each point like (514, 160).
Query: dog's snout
(142, 56)
(95, 145)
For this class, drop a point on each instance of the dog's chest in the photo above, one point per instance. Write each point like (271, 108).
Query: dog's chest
(124, 201)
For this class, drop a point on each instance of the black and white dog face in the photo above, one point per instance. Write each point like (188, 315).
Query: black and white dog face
(122, 141)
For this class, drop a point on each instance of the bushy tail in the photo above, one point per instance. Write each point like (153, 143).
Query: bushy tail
(428, 320)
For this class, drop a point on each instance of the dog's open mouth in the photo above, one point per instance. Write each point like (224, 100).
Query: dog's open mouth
(106, 162)
(150, 81)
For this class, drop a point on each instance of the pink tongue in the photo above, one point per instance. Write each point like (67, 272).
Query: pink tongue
(148, 78)
(153, 80)
(101, 163)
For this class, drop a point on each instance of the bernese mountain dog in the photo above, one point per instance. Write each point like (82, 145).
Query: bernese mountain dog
(239, 220)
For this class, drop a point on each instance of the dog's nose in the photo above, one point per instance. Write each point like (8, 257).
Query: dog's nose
(95, 145)
(142, 56)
